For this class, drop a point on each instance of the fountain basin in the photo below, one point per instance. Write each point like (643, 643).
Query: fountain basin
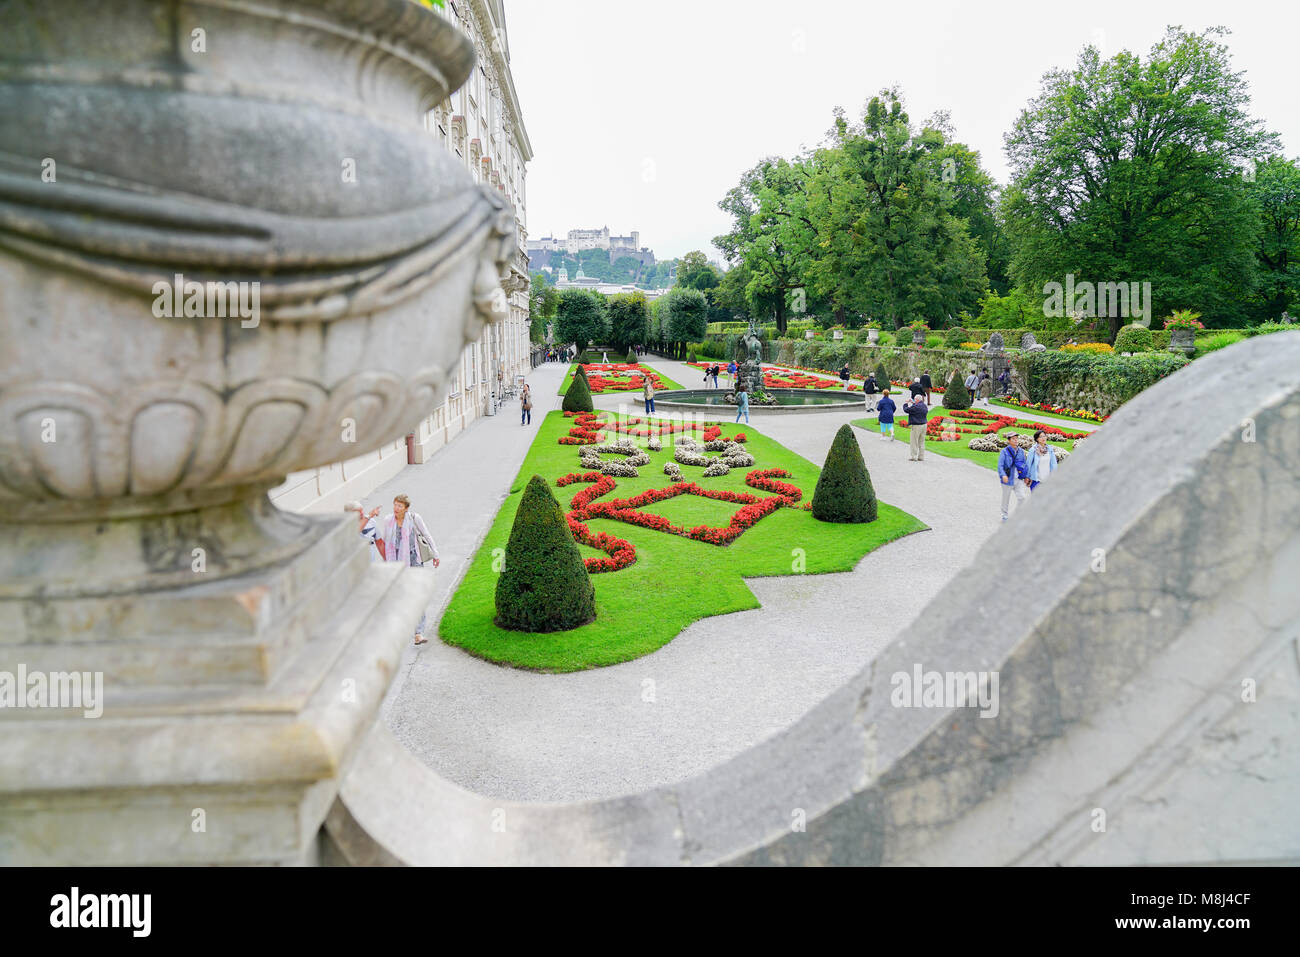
(788, 400)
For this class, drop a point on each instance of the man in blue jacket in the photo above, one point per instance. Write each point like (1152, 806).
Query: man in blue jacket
(1011, 473)
(886, 409)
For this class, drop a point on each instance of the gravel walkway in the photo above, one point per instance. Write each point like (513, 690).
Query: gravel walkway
(724, 684)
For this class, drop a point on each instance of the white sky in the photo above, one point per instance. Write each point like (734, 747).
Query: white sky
(642, 115)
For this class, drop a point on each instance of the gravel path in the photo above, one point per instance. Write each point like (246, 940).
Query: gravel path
(724, 684)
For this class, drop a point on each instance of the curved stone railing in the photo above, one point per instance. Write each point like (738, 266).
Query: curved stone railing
(1141, 617)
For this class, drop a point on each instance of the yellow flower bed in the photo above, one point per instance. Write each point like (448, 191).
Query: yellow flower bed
(1088, 347)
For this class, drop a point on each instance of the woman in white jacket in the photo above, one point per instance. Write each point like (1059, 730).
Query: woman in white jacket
(402, 531)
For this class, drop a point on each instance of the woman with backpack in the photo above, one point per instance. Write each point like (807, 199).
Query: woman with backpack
(526, 406)
(742, 404)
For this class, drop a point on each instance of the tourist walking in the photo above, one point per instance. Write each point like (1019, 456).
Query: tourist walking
(526, 406)
(406, 539)
(731, 373)
(648, 393)
(844, 374)
(366, 524)
(916, 388)
(926, 384)
(742, 404)
(1004, 381)
(1040, 461)
(886, 409)
(1011, 473)
(918, 414)
(717, 368)
(869, 391)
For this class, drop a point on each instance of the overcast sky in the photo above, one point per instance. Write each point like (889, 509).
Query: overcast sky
(642, 115)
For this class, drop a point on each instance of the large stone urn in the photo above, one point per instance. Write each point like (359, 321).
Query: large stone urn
(228, 250)
(918, 336)
(873, 337)
(1182, 341)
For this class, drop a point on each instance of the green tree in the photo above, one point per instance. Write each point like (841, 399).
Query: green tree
(888, 244)
(684, 317)
(580, 317)
(694, 271)
(1126, 170)
(1275, 192)
(974, 198)
(544, 585)
(770, 235)
(629, 319)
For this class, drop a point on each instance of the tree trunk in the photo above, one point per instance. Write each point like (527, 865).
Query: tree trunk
(780, 316)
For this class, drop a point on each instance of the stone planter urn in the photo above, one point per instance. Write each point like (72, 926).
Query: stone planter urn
(1182, 340)
(873, 337)
(837, 334)
(918, 337)
(808, 334)
(217, 266)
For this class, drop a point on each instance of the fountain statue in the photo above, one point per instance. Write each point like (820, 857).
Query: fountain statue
(751, 370)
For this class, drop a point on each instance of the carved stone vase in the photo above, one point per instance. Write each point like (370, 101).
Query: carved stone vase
(228, 250)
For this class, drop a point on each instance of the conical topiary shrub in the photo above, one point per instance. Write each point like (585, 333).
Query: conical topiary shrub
(844, 492)
(544, 586)
(956, 396)
(577, 397)
(631, 357)
(882, 377)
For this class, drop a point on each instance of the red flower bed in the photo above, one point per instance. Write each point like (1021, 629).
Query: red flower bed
(630, 377)
(585, 507)
(766, 479)
(587, 428)
(950, 427)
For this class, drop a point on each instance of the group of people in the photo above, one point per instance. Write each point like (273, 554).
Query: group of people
(401, 536)
(1019, 471)
(712, 372)
(981, 384)
(560, 354)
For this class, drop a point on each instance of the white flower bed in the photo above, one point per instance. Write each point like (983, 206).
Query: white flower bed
(716, 468)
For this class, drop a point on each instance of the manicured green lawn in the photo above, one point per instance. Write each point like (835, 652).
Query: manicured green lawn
(953, 450)
(635, 393)
(675, 580)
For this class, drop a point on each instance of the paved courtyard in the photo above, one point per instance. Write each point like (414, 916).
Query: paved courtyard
(724, 684)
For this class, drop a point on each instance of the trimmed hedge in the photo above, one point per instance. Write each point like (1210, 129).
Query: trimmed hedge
(544, 585)
(577, 398)
(955, 336)
(1109, 379)
(844, 492)
(956, 395)
(1134, 339)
